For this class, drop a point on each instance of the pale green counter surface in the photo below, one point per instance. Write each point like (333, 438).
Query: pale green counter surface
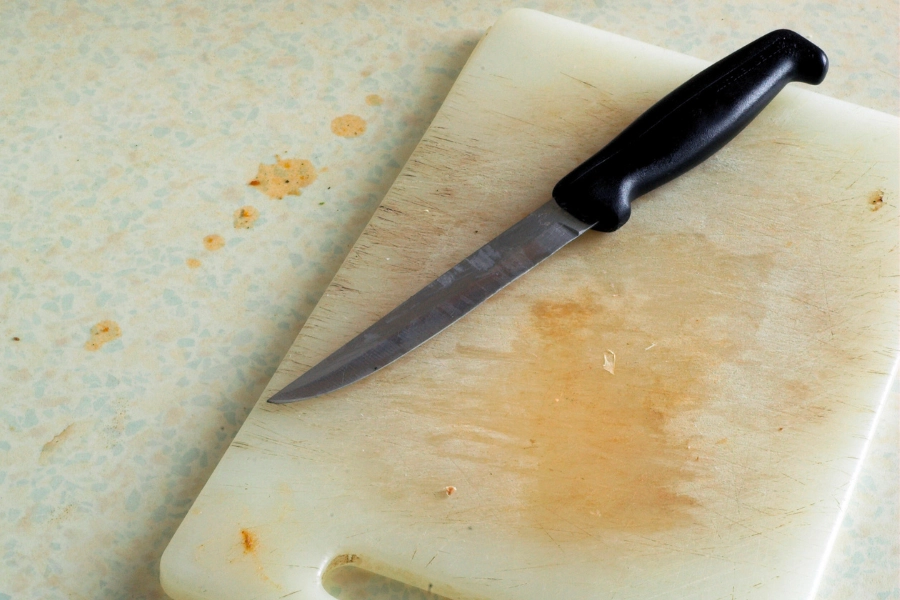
(128, 134)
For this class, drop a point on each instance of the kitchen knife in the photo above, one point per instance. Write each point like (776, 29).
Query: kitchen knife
(677, 133)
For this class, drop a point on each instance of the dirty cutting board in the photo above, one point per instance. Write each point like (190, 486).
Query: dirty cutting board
(673, 410)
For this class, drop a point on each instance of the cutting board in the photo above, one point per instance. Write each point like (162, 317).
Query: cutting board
(673, 410)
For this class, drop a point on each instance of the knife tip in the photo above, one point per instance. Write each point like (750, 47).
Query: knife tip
(282, 398)
(287, 395)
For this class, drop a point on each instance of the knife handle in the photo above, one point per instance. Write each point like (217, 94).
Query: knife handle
(687, 127)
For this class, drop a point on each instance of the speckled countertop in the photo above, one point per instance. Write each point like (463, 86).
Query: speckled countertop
(178, 184)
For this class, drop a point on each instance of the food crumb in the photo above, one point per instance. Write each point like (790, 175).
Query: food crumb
(16, 339)
(284, 178)
(374, 100)
(101, 333)
(213, 242)
(450, 490)
(876, 200)
(193, 263)
(609, 362)
(348, 126)
(245, 216)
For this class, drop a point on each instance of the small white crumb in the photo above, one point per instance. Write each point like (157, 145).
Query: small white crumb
(650, 346)
(609, 364)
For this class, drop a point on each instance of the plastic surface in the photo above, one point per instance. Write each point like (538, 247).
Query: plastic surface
(687, 127)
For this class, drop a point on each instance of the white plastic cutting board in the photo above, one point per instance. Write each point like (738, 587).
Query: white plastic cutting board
(671, 411)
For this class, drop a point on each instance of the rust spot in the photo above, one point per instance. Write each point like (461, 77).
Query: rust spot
(213, 242)
(876, 200)
(285, 177)
(245, 216)
(348, 126)
(249, 540)
(101, 333)
(193, 263)
(374, 100)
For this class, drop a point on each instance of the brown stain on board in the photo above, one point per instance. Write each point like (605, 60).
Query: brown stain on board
(284, 178)
(249, 545)
(249, 541)
(600, 441)
(597, 449)
(374, 100)
(245, 217)
(348, 126)
(101, 333)
(876, 200)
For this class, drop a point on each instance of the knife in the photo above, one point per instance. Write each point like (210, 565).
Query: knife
(677, 133)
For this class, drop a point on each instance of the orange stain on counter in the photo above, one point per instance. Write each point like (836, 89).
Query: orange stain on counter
(374, 100)
(213, 242)
(192, 263)
(284, 178)
(101, 333)
(60, 438)
(348, 126)
(245, 216)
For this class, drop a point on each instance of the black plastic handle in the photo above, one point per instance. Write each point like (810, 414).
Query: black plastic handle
(686, 127)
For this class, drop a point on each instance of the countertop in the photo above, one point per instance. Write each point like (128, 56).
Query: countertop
(153, 274)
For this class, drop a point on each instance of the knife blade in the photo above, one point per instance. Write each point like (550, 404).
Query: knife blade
(677, 133)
